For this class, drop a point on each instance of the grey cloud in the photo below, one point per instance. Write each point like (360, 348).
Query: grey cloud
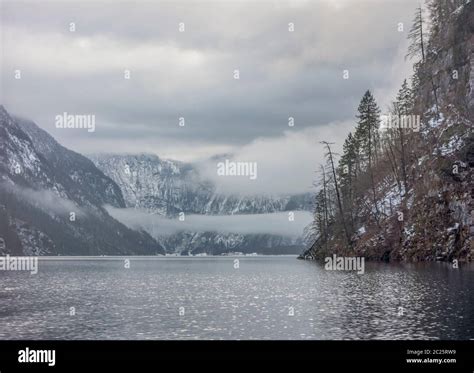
(190, 74)
(276, 224)
(45, 199)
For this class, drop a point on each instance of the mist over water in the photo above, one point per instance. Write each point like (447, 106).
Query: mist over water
(264, 298)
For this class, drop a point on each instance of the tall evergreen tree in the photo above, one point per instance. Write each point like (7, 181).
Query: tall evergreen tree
(417, 36)
(418, 41)
(368, 137)
(348, 171)
(403, 107)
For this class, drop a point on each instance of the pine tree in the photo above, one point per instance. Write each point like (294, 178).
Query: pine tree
(417, 36)
(403, 107)
(368, 124)
(348, 162)
(367, 133)
(348, 171)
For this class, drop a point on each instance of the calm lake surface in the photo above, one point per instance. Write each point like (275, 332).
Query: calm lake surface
(267, 297)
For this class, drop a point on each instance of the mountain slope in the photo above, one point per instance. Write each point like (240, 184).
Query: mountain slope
(167, 188)
(81, 173)
(432, 218)
(51, 199)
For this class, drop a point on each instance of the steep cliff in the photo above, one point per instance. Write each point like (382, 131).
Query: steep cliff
(432, 218)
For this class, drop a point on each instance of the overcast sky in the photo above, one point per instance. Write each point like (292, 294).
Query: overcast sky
(190, 74)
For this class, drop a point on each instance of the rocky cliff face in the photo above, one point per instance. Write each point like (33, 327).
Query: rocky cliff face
(434, 218)
(51, 199)
(441, 224)
(167, 187)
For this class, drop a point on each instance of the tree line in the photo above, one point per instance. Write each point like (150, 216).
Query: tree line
(377, 152)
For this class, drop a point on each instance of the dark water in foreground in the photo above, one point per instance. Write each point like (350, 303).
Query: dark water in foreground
(265, 298)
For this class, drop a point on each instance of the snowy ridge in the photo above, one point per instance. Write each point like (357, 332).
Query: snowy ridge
(168, 187)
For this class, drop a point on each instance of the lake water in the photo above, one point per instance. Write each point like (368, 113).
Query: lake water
(207, 298)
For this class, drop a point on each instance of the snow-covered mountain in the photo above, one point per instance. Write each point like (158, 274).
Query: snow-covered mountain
(167, 187)
(52, 199)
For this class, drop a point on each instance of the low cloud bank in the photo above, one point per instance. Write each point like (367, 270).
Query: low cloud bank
(44, 199)
(282, 165)
(275, 224)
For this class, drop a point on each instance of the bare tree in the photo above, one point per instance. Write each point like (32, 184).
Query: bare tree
(329, 155)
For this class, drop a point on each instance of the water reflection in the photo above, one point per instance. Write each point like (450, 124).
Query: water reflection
(265, 298)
